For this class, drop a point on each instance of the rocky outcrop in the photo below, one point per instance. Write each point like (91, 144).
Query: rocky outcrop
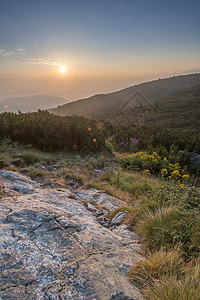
(53, 247)
(195, 160)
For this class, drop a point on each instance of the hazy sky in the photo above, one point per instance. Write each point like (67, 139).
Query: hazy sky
(105, 45)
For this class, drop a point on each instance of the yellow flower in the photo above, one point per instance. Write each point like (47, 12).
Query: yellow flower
(147, 172)
(185, 177)
(164, 172)
(175, 173)
(181, 185)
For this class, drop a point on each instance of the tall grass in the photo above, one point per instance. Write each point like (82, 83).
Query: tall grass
(173, 288)
(161, 263)
(166, 217)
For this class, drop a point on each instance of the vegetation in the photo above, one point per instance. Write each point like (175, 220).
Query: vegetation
(155, 138)
(179, 110)
(53, 133)
(165, 214)
(151, 172)
(144, 98)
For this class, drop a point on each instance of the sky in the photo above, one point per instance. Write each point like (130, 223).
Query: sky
(105, 45)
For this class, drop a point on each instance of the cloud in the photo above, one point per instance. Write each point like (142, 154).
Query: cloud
(42, 61)
(17, 53)
(4, 53)
(20, 54)
(20, 51)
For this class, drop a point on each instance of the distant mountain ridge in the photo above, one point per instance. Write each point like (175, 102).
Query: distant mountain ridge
(30, 103)
(180, 110)
(149, 93)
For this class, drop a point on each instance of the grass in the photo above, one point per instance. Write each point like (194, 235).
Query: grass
(73, 169)
(165, 214)
(161, 263)
(109, 189)
(173, 288)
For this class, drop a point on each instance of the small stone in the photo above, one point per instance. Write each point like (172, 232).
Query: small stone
(99, 212)
(103, 221)
(106, 224)
(38, 165)
(119, 218)
(51, 168)
(119, 296)
(91, 207)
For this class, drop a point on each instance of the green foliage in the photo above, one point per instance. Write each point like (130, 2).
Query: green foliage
(18, 162)
(49, 132)
(109, 146)
(153, 163)
(167, 227)
(156, 138)
(136, 185)
(31, 157)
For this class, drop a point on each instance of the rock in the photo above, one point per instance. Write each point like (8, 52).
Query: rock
(18, 182)
(51, 168)
(99, 212)
(52, 247)
(195, 159)
(119, 218)
(37, 165)
(120, 296)
(97, 173)
(124, 232)
(103, 221)
(102, 199)
(91, 207)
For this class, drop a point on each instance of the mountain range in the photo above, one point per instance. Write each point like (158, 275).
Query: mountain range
(146, 97)
(30, 103)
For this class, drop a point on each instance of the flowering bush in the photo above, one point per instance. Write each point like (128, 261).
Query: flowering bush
(154, 163)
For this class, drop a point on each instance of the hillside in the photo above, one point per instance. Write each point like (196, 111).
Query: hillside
(180, 110)
(30, 103)
(143, 94)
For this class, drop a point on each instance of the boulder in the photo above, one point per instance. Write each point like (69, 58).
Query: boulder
(52, 247)
(195, 159)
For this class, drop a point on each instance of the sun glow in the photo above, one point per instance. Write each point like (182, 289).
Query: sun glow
(62, 69)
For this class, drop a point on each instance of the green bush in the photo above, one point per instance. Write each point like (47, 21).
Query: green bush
(165, 227)
(49, 132)
(31, 157)
(18, 162)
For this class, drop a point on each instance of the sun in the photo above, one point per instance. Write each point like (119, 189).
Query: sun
(62, 69)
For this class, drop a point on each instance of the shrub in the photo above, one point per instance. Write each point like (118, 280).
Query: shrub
(153, 163)
(165, 227)
(157, 265)
(31, 157)
(173, 288)
(18, 162)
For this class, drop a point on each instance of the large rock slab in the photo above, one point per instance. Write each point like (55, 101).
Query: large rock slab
(52, 247)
